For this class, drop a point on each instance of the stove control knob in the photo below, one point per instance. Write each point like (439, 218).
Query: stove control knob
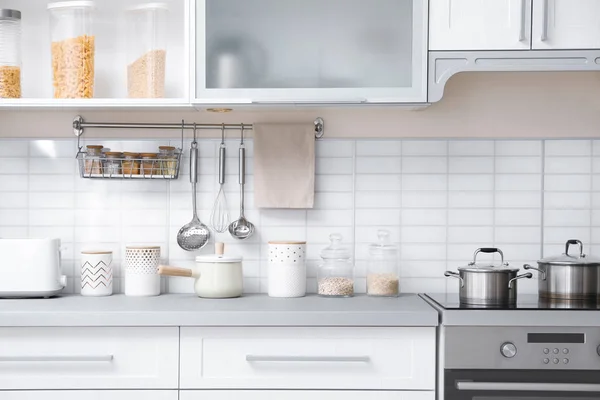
(508, 350)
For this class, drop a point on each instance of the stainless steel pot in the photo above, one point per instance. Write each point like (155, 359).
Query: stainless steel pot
(488, 285)
(568, 277)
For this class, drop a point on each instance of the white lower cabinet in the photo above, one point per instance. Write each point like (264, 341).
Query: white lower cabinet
(308, 358)
(91, 395)
(301, 395)
(88, 358)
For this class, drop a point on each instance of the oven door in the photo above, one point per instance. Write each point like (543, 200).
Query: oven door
(521, 385)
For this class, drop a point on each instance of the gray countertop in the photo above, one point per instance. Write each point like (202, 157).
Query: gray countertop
(188, 310)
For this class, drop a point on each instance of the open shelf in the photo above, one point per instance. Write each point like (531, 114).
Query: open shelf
(110, 30)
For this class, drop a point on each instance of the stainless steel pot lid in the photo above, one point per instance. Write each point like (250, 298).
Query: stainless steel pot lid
(473, 266)
(578, 259)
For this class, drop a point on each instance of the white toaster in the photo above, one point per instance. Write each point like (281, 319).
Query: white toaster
(30, 268)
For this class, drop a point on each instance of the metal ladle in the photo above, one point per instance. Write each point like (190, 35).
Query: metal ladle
(194, 235)
(242, 229)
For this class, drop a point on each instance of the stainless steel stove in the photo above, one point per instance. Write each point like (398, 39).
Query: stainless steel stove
(532, 351)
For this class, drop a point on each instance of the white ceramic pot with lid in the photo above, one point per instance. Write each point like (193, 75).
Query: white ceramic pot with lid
(217, 276)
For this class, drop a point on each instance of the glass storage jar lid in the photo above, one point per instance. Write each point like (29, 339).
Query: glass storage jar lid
(383, 249)
(11, 15)
(574, 258)
(335, 251)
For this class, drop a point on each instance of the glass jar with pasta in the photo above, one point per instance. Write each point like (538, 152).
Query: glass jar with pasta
(73, 49)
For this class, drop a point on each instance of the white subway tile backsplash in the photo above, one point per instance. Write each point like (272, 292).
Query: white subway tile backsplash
(468, 182)
(424, 148)
(14, 166)
(422, 182)
(567, 218)
(379, 148)
(334, 148)
(567, 183)
(378, 165)
(14, 148)
(424, 165)
(332, 166)
(568, 165)
(568, 148)
(471, 148)
(518, 165)
(440, 199)
(471, 165)
(464, 199)
(518, 148)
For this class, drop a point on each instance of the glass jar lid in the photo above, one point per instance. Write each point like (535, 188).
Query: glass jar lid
(12, 15)
(114, 154)
(384, 247)
(335, 251)
(131, 155)
(149, 155)
(72, 4)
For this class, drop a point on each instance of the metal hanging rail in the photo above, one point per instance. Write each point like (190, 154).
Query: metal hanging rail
(79, 125)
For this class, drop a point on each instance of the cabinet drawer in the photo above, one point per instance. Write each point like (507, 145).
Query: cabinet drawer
(302, 395)
(308, 358)
(88, 358)
(91, 395)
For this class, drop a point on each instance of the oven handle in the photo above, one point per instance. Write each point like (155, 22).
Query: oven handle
(529, 387)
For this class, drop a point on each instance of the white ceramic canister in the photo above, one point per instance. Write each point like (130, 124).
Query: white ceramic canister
(218, 276)
(141, 271)
(287, 269)
(96, 273)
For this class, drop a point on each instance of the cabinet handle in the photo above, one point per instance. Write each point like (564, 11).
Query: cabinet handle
(528, 386)
(335, 359)
(107, 358)
(309, 102)
(523, 13)
(545, 12)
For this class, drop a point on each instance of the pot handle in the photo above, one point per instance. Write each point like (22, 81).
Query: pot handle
(452, 274)
(527, 275)
(488, 250)
(577, 242)
(174, 271)
(540, 271)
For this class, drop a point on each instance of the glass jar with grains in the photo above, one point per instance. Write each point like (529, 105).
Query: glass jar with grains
(150, 165)
(112, 163)
(335, 276)
(382, 269)
(167, 160)
(10, 54)
(93, 159)
(131, 164)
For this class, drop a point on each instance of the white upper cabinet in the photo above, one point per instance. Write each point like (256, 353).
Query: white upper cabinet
(479, 25)
(310, 51)
(566, 24)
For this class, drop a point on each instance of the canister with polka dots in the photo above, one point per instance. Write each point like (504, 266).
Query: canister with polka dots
(287, 269)
(141, 271)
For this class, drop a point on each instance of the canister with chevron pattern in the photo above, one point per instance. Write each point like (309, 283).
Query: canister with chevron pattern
(96, 273)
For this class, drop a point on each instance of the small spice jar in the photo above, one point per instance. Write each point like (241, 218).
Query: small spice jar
(112, 163)
(93, 159)
(150, 165)
(131, 164)
(167, 160)
(382, 269)
(335, 276)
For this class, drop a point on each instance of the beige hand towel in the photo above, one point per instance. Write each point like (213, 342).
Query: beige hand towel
(284, 165)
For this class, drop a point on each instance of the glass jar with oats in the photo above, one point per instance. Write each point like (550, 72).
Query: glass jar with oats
(382, 272)
(10, 54)
(147, 50)
(73, 49)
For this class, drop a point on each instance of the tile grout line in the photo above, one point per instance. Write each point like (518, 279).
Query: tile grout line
(542, 199)
(447, 209)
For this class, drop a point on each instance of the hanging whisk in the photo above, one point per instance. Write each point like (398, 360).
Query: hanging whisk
(219, 218)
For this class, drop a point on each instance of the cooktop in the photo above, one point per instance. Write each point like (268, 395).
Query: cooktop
(524, 302)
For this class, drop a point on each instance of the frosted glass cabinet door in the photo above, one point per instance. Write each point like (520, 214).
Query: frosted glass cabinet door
(566, 24)
(479, 24)
(290, 51)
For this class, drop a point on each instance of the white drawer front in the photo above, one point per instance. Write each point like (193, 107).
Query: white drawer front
(88, 358)
(302, 395)
(308, 358)
(91, 395)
